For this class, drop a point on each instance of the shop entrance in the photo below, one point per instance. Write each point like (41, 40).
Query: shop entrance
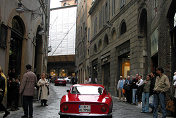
(15, 51)
(124, 65)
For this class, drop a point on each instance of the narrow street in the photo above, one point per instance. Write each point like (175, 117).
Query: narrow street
(120, 109)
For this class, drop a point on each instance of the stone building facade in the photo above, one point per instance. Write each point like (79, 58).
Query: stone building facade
(130, 37)
(24, 35)
(82, 40)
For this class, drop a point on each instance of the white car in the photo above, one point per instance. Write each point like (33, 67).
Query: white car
(67, 79)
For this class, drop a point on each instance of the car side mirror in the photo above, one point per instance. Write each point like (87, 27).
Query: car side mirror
(68, 91)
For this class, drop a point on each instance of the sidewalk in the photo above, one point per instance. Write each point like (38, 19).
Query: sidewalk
(138, 108)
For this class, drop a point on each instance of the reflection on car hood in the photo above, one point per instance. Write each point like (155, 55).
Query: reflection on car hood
(85, 98)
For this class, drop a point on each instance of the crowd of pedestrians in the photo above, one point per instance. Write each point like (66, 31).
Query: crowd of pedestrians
(153, 87)
(24, 91)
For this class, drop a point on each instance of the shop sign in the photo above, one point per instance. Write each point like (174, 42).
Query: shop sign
(154, 42)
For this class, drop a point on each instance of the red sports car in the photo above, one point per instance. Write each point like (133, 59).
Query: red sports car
(60, 81)
(86, 100)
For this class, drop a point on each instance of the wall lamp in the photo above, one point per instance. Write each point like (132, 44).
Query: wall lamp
(21, 8)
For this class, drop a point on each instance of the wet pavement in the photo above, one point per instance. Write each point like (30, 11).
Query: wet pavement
(120, 109)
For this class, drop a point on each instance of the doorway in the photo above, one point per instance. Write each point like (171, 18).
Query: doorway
(38, 52)
(15, 52)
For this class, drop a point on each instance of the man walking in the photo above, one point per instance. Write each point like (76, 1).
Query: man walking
(162, 85)
(2, 91)
(27, 90)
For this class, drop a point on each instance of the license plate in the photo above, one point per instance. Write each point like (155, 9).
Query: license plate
(84, 108)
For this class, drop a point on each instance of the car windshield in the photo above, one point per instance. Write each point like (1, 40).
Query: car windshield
(88, 90)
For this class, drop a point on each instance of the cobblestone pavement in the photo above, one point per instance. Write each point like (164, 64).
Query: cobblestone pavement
(120, 109)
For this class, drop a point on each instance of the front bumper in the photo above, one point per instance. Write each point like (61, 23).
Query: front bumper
(85, 114)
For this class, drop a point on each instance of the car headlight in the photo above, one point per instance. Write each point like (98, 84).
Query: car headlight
(65, 108)
(103, 109)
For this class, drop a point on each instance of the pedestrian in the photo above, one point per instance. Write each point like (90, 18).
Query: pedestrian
(175, 96)
(2, 93)
(139, 89)
(120, 88)
(152, 85)
(162, 85)
(90, 80)
(174, 77)
(15, 94)
(27, 89)
(17, 86)
(145, 95)
(11, 89)
(43, 90)
(134, 89)
(86, 81)
(128, 92)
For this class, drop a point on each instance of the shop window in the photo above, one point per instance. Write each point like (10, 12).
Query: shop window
(3, 35)
(123, 28)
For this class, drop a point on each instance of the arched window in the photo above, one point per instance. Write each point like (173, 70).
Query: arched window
(95, 48)
(18, 25)
(106, 40)
(114, 34)
(143, 22)
(123, 28)
(99, 44)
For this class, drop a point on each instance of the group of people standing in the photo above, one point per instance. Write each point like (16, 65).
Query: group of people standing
(26, 89)
(139, 89)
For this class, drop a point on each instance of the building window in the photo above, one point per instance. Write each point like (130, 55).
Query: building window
(155, 7)
(113, 7)
(106, 12)
(88, 34)
(100, 19)
(122, 3)
(175, 20)
(95, 48)
(123, 28)
(95, 26)
(3, 36)
(99, 44)
(114, 35)
(106, 40)
(103, 12)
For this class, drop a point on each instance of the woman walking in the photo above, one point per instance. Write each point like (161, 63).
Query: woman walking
(43, 89)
